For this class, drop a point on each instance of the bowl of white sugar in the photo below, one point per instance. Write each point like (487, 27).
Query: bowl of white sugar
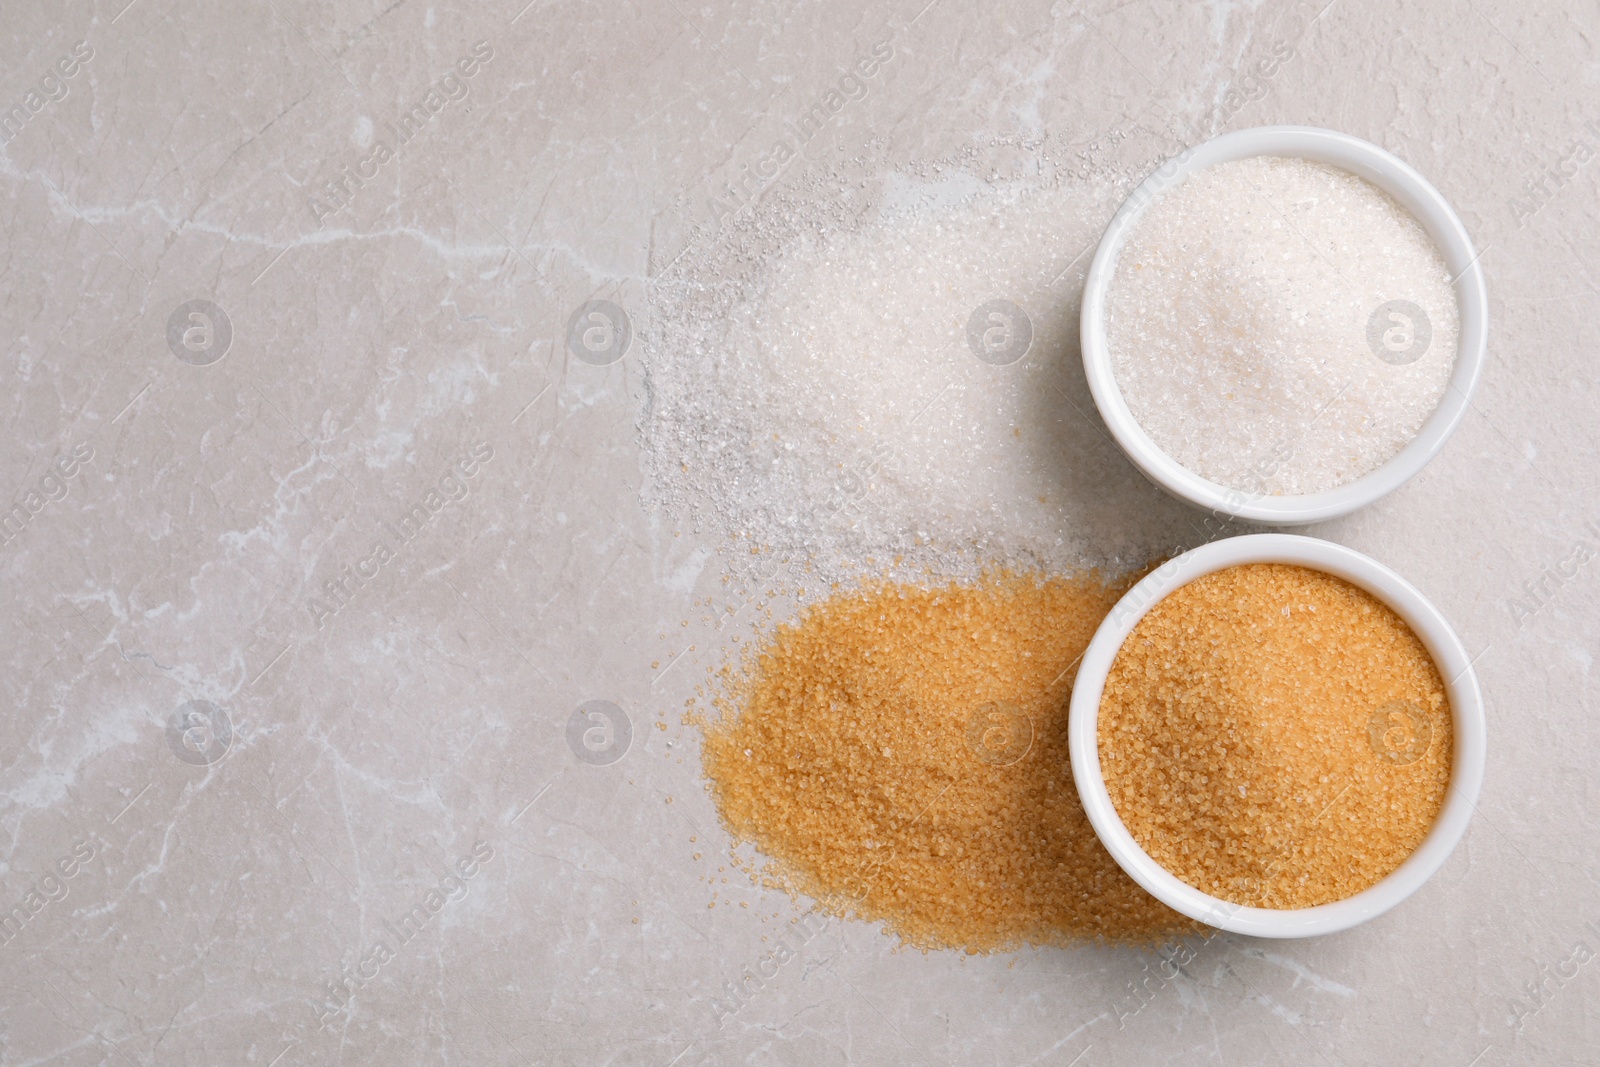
(1284, 324)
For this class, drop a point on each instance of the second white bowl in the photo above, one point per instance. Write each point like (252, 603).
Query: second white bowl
(1468, 729)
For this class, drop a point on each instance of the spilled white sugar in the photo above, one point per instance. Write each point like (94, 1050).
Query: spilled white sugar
(1256, 327)
(826, 401)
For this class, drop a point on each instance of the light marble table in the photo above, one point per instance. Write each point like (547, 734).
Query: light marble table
(243, 746)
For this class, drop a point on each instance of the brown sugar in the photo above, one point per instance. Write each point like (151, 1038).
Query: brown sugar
(1275, 737)
(900, 755)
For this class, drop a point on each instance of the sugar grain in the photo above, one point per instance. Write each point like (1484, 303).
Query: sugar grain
(1275, 737)
(1280, 326)
(900, 754)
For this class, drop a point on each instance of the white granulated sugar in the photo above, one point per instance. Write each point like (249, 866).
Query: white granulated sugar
(1238, 323)
(827, 401)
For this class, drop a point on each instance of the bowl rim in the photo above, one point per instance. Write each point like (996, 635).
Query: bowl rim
(1417, 196)
(1469, 732)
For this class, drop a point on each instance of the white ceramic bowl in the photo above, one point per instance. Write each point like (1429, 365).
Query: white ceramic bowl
(1461, 686)
(1388, 173)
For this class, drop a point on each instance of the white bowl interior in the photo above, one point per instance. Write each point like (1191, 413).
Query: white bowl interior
(1466, 709)
(1417, 196)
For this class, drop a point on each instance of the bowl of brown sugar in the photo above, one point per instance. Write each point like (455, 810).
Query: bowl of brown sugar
(1277, 735)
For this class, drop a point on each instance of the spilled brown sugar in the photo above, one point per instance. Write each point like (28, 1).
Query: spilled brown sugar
(900, 754)
(1275, 737)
